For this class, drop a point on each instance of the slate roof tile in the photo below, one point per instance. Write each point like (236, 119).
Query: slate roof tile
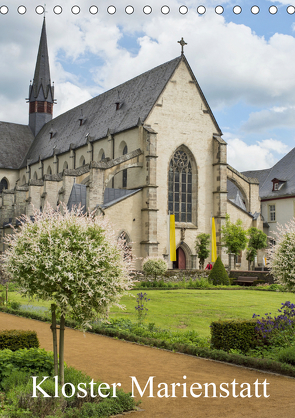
(15, 141)
(282, 170)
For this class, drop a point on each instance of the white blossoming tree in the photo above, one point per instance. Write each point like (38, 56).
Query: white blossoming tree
(281, 259)
(154, 266)
(72, 259)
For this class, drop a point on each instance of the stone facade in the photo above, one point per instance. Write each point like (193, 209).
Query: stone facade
(179, 120)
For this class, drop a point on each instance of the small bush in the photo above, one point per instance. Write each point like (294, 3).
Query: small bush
(287, 355)
(36, 361)
(154, 266)
(202, 283)
(15, 305)
(15, 340)
(218, 274)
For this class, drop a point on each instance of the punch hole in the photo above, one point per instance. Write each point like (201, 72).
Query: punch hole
(57, 10)
(237, 10)
(219, 10)
(183, 10)
(165, 10)
(21, 10)
(290, 10)
(273, 10)
(4, 10)
(39, 10)
(129, 10)
(201, 10)
(147, 10)
(93, 10)
(111, 10)
(75, 10)
(255, 10)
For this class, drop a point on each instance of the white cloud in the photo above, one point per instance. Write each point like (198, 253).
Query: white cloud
(266, 119)
(231, 63)
(257, 156)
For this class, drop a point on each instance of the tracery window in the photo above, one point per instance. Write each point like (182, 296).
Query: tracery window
(180, 187)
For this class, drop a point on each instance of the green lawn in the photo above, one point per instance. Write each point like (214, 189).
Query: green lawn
(194, 309)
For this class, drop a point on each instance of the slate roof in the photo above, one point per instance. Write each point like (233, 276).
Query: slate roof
(112, 196)
(42, 72)
(136, 99)
(282, 170)
(15, 141)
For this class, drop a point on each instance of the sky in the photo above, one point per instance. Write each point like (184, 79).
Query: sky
(243, 62)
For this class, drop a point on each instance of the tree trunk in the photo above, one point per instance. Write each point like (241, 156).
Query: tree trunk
(6, 293)
(229, 262)
(61, 350)
(54, 336)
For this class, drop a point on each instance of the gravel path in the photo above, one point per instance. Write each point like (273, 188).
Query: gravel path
(115, 361)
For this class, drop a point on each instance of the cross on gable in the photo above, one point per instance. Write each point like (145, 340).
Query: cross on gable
(182, 43)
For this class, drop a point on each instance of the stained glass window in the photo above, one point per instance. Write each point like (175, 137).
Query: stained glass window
(180, 187)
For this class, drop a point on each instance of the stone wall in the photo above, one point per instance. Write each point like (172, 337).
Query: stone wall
(176, 275)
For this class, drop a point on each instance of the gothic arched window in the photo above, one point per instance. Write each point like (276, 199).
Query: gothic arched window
(3, 184)
(180, 186)
(124, 185)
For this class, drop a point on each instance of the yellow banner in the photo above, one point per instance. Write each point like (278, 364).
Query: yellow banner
(213, 241)
(172, 239)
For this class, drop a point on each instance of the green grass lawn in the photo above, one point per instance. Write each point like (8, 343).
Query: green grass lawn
(193, 309)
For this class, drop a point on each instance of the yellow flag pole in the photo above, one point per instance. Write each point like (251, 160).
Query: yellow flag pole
(172, 239)
(213, 242)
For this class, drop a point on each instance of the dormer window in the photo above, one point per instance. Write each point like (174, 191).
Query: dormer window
(118, 105)
(277, 184)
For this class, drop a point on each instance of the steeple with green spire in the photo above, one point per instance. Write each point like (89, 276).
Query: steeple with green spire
(41, 92)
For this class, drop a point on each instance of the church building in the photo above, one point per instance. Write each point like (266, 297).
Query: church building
(146, 148)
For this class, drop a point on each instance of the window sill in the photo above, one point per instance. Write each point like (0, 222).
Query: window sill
(186, 225)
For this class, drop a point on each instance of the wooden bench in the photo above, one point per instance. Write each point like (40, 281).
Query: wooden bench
(246, 280)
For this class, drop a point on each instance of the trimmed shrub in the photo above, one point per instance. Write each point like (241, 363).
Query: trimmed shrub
(239, 335)
(17, 339)
(218, 274)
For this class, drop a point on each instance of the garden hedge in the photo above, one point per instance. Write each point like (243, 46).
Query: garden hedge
(17, 339)
(232, 334)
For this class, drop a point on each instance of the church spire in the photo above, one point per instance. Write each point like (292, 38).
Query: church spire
(41, 92)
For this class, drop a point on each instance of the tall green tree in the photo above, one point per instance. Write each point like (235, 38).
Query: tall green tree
(234, 237)
(257, 241)
(72, 259)
(202, 248)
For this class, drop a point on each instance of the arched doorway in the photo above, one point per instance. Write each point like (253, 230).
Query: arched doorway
(180, 262)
